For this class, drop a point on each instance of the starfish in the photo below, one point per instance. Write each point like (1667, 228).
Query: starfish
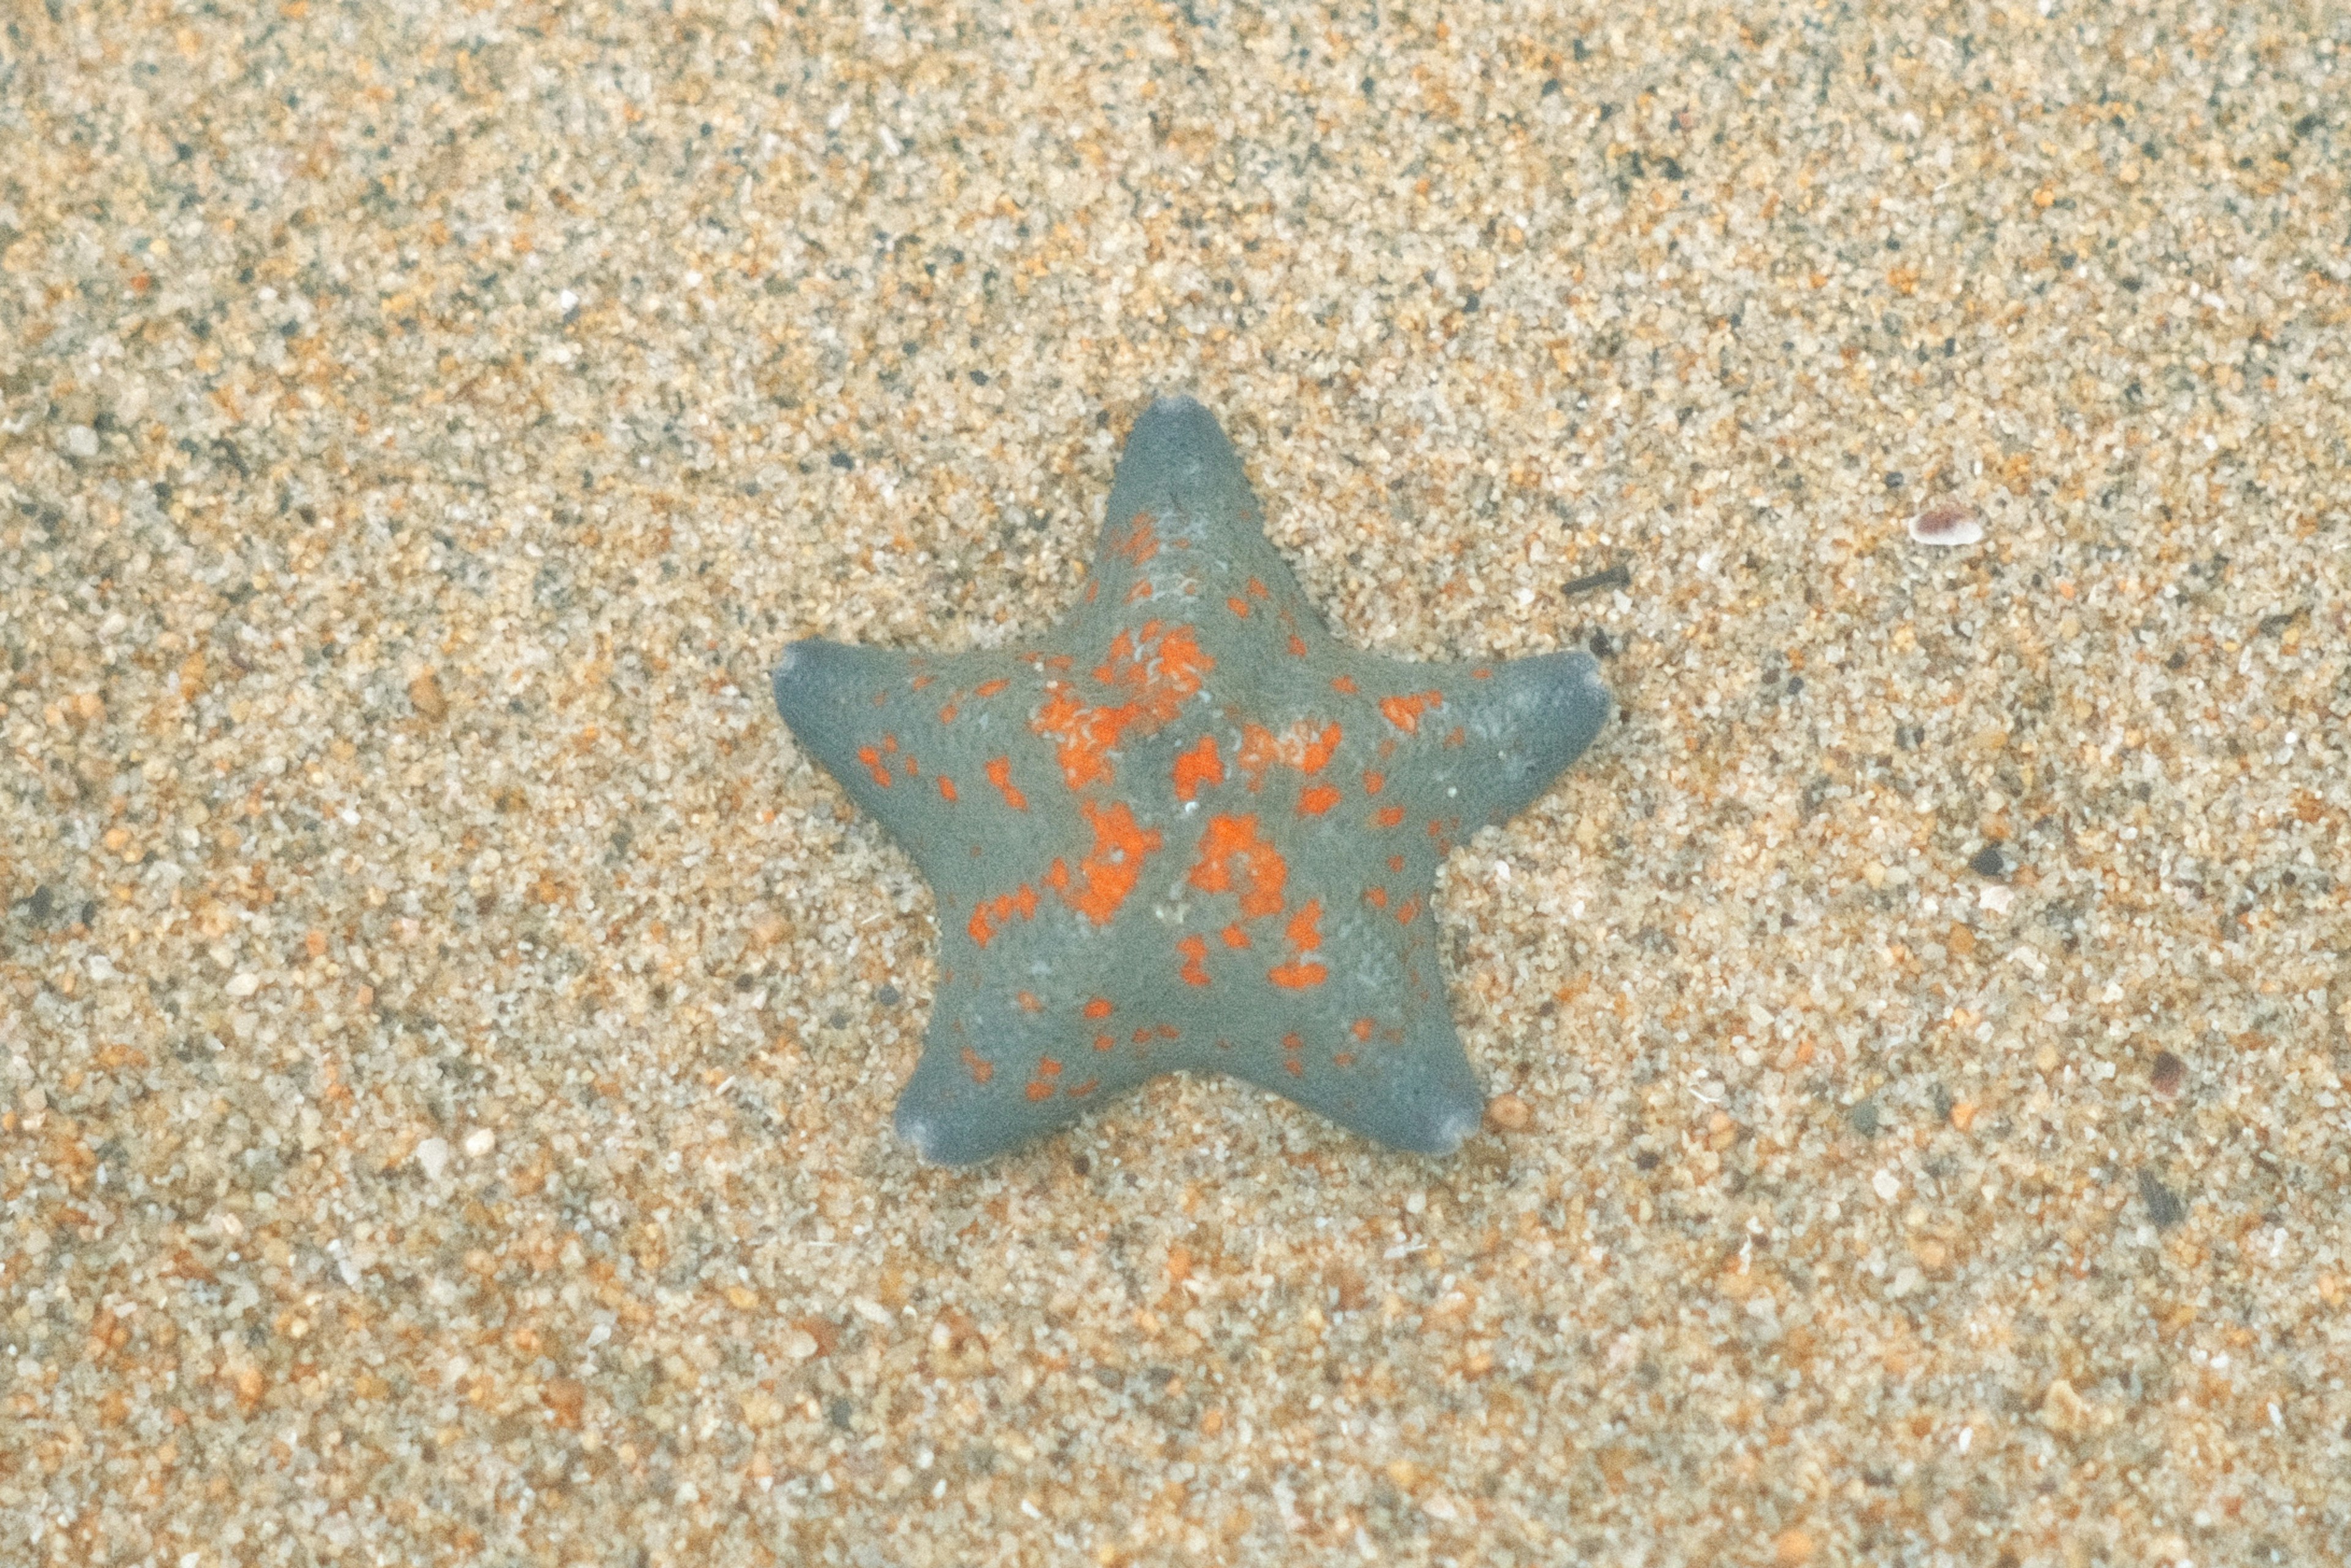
(1189, 828)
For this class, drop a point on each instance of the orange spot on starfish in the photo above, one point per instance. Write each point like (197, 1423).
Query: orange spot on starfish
(980, 1069)
(1111, 867)
(1316, 799)
(1229, 839)
(1195, 949)
(1139, 543)
(1298, 747)
(1199, 766)
(999, 773)
(1404, 712)
(1303, 934)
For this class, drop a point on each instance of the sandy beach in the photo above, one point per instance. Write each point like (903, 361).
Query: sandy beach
(448, 1030)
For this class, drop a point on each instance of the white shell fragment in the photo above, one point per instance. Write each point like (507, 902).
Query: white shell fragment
(1947, 524)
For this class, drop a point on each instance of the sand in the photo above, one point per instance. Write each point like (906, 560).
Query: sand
(447, 1032)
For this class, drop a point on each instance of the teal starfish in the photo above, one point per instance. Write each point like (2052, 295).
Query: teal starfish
(1186, 829)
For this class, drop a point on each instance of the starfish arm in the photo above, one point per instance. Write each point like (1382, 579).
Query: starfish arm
(940, 750)
(1001, 1065)
(1476, 743)
(1370, 1045)
(1181, 513)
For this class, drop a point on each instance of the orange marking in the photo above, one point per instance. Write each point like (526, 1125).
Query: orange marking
(1093, 588)
(1375, 782)
(1298, 747)
(1389, 816)
(1360, 1028)
(1195, 949)
(1303, 934)
(1258, 590)
(1342, 1057)
(1039, 1090)
(1405, 712)
(1155, 671)
(1262, 869)
(1079, 1091)
(1291, 1042)
(1099, 1008)
(1377, 897)
(1140, 543)
(999, 773)
(1234, 936)
(947, 787)
(948, 714)
(1297, 645)
(1408, 909)
(1395, 862)
(919, 682)
(1292, 1045)
(992, 914)
(1048, 1067)
(980, 1069)
(1141, 590)
(1199, 766)
(873, 759)
(1482, 673)
(1238, 606)
(1029, 1002)
(906, 765)
(1455, 736)
(1343, 684)
(1112, 867)
(989, 688)
(1152, 1031)
(1104, 1043)
(1317, 799)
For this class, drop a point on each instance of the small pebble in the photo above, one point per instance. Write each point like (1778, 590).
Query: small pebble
(1508, 1113)
(2167, 1075)
(433, 1155)
(480, 1142)
(1948, 523)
